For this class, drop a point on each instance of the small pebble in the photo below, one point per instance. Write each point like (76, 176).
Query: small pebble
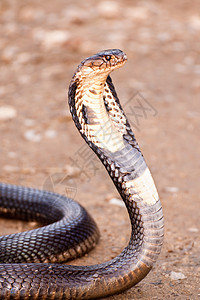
(137, 13)
(117, 202)
(193, 229)
(28, 170)
(7, 112)
(32, 136)
(10, 169)
(171, 189)
(71, 171)
(50, 134)
(108, 9)
(33, 224)
(177, 275)
(195, 22)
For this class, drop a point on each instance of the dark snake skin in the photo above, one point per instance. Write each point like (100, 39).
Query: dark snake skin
(69, 231)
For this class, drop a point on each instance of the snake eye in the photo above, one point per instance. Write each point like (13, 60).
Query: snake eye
(108, 57)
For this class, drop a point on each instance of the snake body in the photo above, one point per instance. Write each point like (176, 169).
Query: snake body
(101, 121)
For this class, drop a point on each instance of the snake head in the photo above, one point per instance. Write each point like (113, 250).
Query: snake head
(103, 62)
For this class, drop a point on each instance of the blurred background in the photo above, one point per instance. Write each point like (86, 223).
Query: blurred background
(41, 44)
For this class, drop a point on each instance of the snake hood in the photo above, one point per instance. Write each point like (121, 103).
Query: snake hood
(101, 123)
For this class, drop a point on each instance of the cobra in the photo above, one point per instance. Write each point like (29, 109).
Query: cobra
(101, 121)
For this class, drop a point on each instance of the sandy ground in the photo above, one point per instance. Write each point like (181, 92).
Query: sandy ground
(41, 43)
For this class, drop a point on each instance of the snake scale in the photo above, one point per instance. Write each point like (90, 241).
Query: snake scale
(25, 268)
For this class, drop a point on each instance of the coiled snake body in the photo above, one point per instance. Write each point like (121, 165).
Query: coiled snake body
(101, 121)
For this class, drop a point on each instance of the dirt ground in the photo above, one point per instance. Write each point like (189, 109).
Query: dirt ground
(41, 44)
